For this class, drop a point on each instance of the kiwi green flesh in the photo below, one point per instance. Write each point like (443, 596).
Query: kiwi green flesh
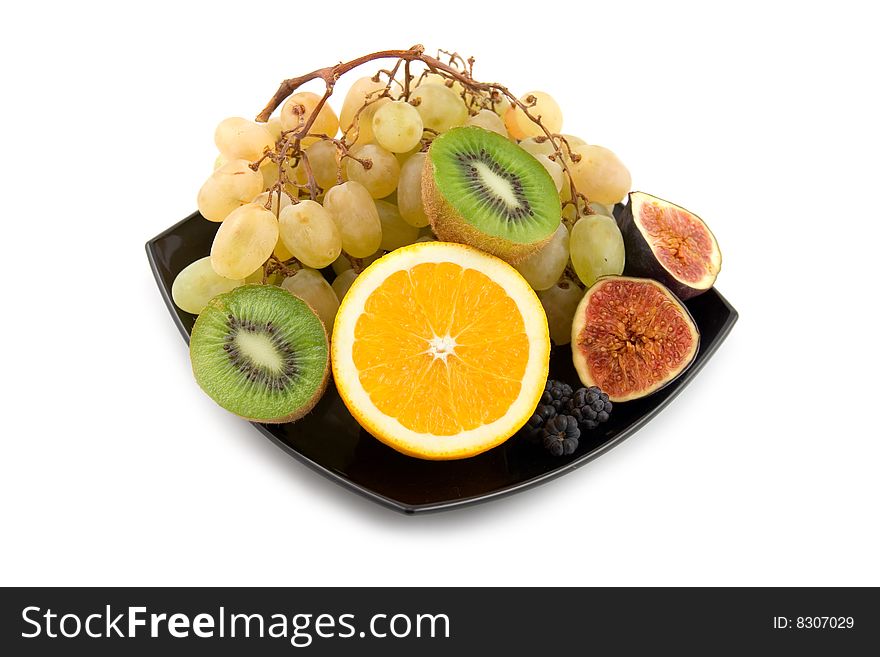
(261, 353)
(494, 185)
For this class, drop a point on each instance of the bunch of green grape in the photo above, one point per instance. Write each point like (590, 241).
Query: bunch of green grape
(366, 163)
(588, 243)
(352, 192)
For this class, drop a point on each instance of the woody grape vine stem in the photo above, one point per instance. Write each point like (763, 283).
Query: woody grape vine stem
(458, 69)
(331, 74)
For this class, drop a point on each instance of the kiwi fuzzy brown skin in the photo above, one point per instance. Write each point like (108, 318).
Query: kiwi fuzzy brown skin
(450, 226)
(309, 404)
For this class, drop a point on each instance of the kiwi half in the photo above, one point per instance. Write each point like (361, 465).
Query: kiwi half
(481, 189)
(261, 353)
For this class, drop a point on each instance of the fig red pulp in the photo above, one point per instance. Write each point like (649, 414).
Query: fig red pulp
(680, 241)
(634, 335)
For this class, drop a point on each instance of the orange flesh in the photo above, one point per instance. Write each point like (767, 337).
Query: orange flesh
(441, 348)
(628, 348)
(680, 240)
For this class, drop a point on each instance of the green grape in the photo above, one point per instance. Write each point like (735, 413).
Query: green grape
(601, 208)
(500, 106)
(382, 176)
(600, 174)
(311, 287)
(560, 303)
(427, 138)
(544, 267)
(395, 231)
(568, 211)
(365, 122)
(541, 145)
(409, 191)
(596, 248)
(256, 278)
(436, 78)
(397, 126)
(230, 186)
(294, 118)
(541, 151)
(341, 264)
(281, 251)
(263, 200)
(546, 109)
(310, 234)
(554, 169)
(342, 282)
(362, 91)
(403, 157)
(197, 284)
(538, 145)
(244, 241)
(565, 192)
(269, 171)
(355, 214)
(273, 125)
(322, 160)
(439, 107)
(240, 139)
(488, 120)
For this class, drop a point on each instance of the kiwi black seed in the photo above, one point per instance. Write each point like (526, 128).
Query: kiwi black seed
(261, 353)
(482, 189)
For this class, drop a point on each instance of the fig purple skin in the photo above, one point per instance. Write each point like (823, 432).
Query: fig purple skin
(667, 243)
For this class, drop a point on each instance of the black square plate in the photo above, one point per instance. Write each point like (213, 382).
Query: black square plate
(330, 441)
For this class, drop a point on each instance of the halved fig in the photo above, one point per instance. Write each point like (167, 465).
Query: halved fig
(670, 244)
(631, 337)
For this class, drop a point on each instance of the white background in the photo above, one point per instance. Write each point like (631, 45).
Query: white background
(117, 469)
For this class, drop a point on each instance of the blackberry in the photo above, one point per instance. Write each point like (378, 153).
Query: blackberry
(535, 423)
(560, 435)
(589, 406)
(556, 394)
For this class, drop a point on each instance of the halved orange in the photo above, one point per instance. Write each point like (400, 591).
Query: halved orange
(440, 350)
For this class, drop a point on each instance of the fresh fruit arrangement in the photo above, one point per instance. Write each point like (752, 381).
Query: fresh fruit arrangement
(430, 244)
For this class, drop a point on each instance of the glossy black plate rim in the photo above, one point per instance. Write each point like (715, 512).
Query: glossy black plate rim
(410, 509)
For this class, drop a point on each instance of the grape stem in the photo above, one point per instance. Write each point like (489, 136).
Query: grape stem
(457, 70)
(357, 264)
(288, 268)
(313, 188)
